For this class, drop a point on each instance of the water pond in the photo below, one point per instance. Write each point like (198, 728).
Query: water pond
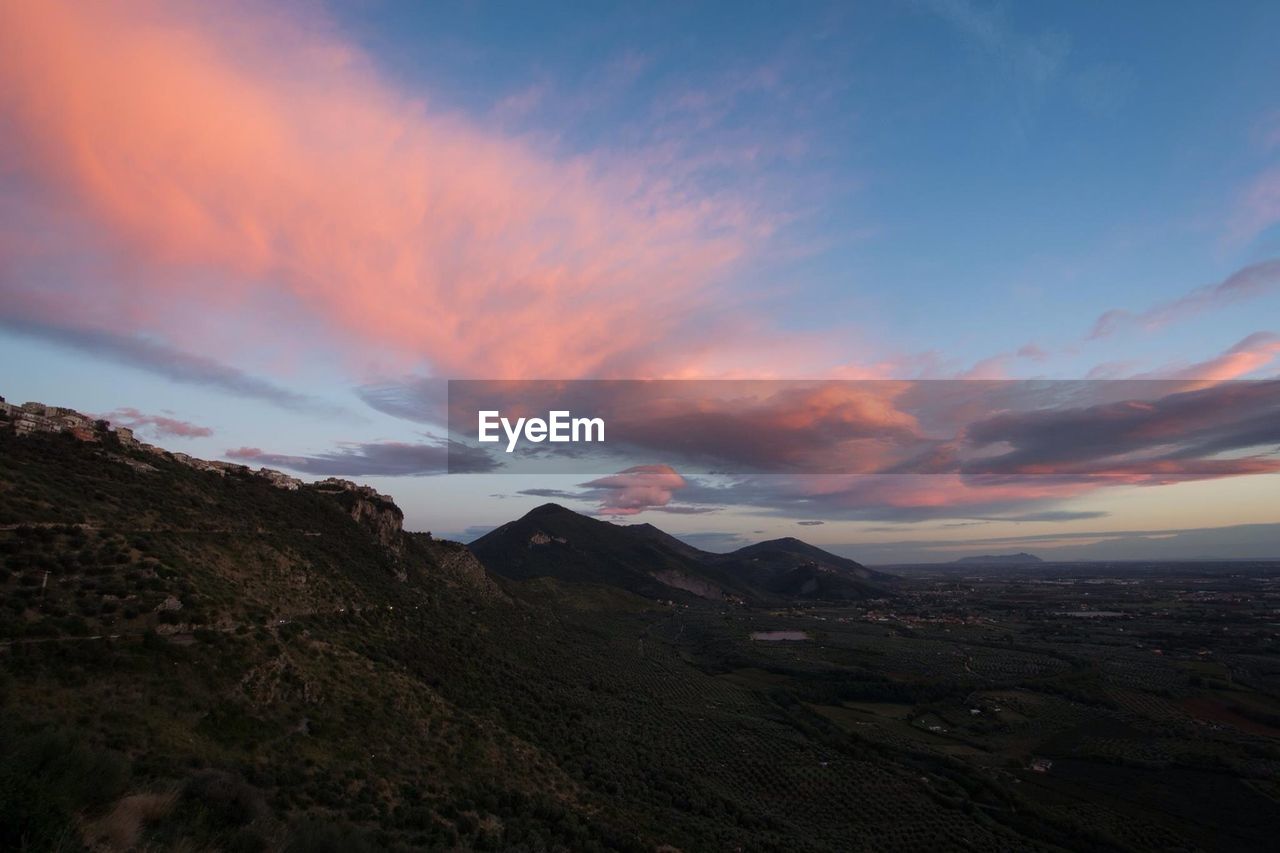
(779, 636)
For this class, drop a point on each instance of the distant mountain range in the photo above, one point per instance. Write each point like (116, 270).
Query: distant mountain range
(552, 541)
(1020, 558)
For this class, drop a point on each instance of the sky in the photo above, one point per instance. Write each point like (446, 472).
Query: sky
(269, 235)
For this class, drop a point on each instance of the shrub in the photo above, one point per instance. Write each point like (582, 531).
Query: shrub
(45, 779)
(328, 838)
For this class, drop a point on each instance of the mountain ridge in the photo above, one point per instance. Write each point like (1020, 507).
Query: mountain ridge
(553, 541)
(1020, 558)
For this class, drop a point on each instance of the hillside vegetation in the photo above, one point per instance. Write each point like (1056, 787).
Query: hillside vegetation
(205, 661)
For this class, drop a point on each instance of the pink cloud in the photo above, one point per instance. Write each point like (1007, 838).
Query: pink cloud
(1249, 355)
(237, 164)
(161, 426)
(639, 488)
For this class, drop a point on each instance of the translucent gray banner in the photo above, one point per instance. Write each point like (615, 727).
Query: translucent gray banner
(1141, 430)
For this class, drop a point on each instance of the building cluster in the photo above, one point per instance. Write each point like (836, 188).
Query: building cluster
(37, 417)
(31, 418)
(336, 484)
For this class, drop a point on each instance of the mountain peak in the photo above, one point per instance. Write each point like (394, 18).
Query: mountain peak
(784, 540)
(549, 509)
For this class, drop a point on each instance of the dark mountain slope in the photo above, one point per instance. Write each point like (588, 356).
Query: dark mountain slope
(552, 541)
(795, 552)
(791, 568)
(669, 542)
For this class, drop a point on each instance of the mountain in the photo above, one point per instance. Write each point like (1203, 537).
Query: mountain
(552, 541)
(999, 559)
(792, 568)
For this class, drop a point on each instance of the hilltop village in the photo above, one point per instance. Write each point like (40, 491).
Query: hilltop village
(33, 417)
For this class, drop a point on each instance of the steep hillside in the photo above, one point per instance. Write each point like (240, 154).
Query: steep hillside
(227, 652)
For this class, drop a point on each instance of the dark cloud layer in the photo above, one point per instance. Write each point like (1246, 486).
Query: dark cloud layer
(385, 459)
(951, 457)
(420, 399)
(1121, 430)
(1177, 436)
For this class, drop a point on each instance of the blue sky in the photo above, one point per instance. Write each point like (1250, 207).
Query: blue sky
(1014, 168)
(383, 191)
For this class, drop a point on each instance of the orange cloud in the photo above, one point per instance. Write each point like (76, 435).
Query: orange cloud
(228, 162)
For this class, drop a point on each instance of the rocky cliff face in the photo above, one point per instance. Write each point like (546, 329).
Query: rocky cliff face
(372, 510)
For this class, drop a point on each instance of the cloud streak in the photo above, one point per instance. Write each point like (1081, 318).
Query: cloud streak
(1253, 281)
(381, 459)
(640, 488)
(1249, 355)
(161, 426)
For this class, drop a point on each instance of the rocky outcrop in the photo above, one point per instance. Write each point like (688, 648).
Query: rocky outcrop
(376, 512)
(372, 510)
(455, 563)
